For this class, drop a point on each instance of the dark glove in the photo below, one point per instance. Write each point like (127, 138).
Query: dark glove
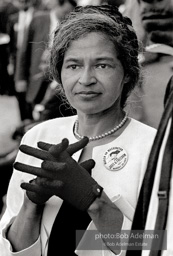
(41, 196)
(60, 174)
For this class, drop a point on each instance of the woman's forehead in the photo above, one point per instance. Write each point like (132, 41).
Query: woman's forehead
(92, 37)
(93, 43)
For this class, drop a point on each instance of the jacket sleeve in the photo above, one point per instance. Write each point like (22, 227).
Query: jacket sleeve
(14, 201)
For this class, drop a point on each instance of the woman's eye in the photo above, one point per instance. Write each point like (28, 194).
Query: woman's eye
(73, 67)
(102, 66)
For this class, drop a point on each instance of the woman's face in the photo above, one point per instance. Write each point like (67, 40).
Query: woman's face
(92, 75)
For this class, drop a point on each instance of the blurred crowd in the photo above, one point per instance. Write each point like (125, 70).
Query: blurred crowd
(26, 28)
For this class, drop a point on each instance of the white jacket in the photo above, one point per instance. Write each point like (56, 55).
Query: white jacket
(121, 186)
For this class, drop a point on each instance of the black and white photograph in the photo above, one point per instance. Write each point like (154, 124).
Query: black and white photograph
(86, 127)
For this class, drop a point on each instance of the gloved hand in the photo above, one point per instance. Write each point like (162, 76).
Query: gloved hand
(60, 174)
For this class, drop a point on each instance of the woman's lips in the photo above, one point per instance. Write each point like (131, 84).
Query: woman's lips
(88, 94)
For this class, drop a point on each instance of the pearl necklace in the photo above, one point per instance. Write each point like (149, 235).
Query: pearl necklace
(101, 136)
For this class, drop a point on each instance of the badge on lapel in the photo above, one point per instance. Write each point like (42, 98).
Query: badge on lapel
(115, 158)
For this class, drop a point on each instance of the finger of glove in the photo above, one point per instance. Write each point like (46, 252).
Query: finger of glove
(43, 155)
(39, 181)
(59, 147)
(53, 166)
(40, 190)
(32, 187)
(72, 148)
(88, 164)
(37, 198)
(56, 150)
(49, 184)
(44, 146)
(45, 188)
(36, 170)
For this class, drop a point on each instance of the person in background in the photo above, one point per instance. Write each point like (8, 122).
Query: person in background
(160, 212)
(83, 181)
(7, 8)
(154, 208)
(52, 105)
(29, 80)
(131, 10)
(17, 28)
(146, 103)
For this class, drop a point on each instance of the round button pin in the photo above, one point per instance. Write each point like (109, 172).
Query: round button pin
(115, 158)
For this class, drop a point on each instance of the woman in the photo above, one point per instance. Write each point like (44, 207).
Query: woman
(94, 57)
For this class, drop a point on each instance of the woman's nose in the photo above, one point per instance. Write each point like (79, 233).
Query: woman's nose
(87, 77)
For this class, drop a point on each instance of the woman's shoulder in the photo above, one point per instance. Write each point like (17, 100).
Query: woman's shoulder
(50, 128)
(139, 136)
(141, 125)
(142, 129)
(57, 121)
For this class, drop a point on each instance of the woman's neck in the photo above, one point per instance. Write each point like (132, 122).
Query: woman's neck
(97, 124)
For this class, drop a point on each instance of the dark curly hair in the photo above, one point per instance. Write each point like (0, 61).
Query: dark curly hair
(105, 19)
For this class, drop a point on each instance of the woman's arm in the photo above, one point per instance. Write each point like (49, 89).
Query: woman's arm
(107, 218)
(25, 229)
(62, 176)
